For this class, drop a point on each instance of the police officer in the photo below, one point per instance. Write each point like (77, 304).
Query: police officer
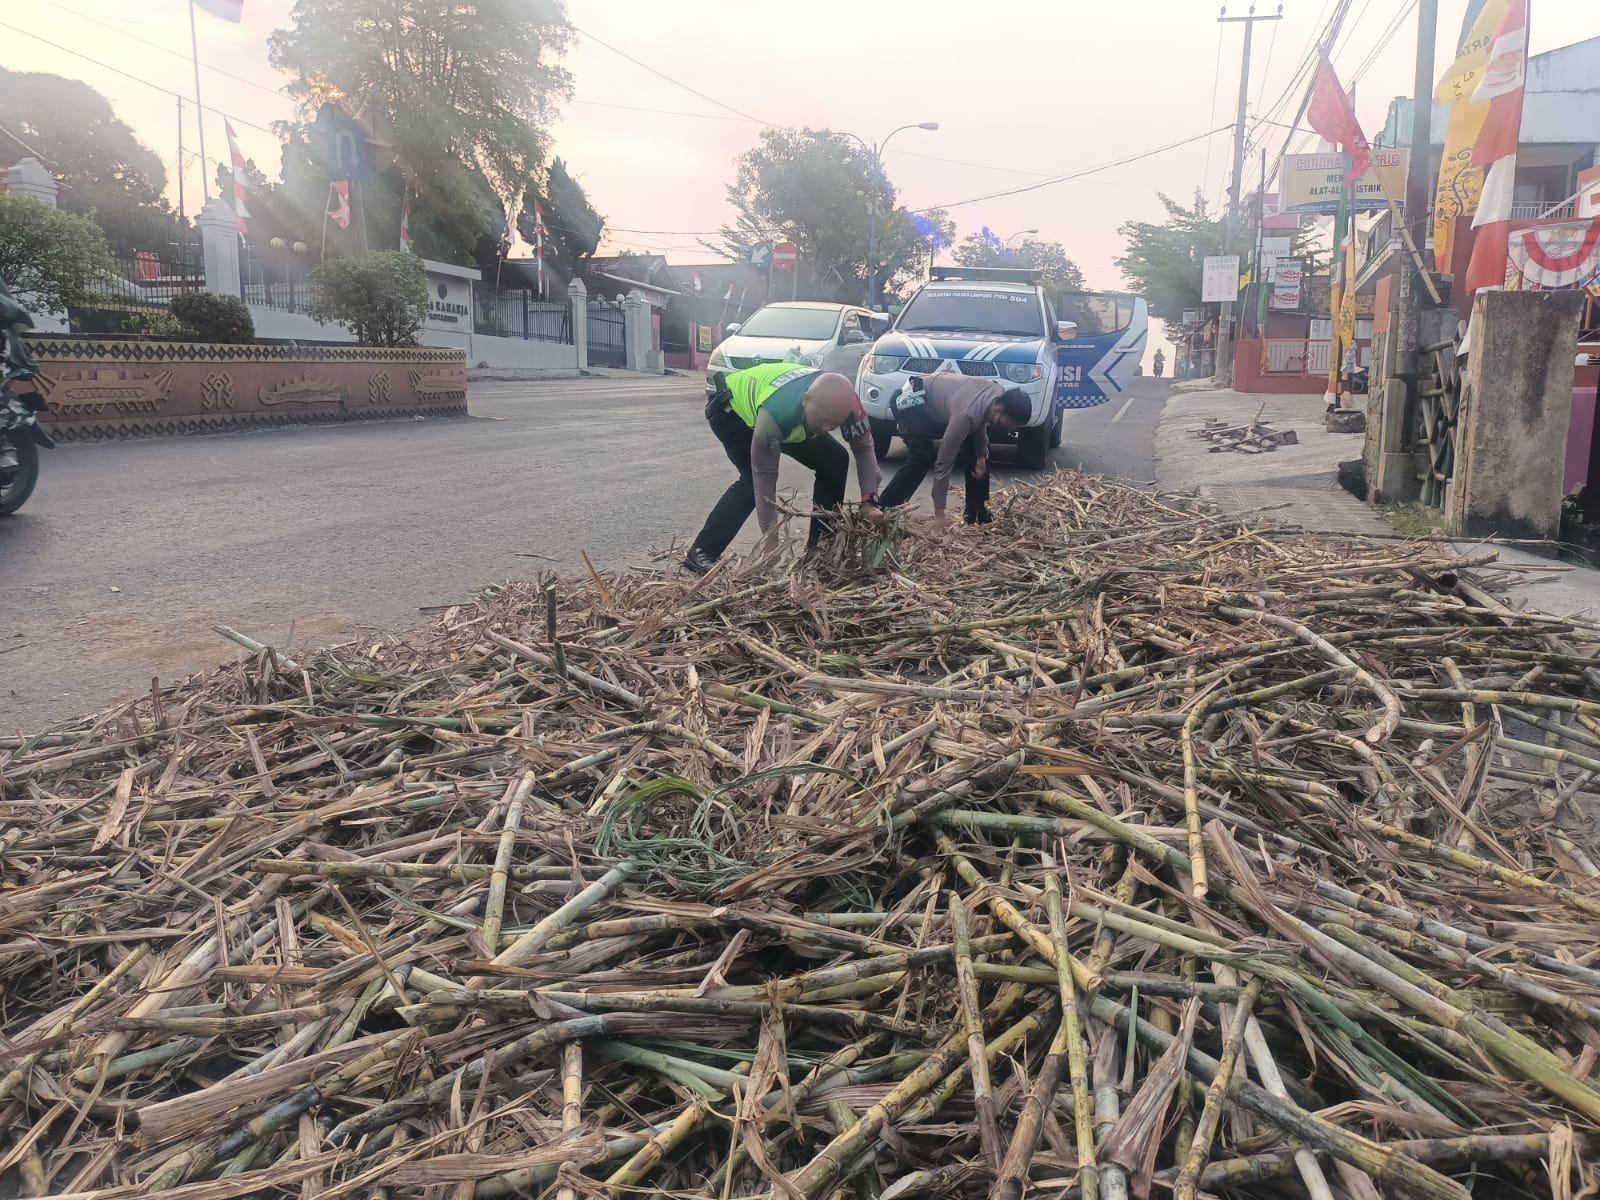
(769, 410)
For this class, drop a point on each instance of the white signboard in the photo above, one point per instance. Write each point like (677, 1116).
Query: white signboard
(1219, 279)
(1285, 280)
(1275, 247)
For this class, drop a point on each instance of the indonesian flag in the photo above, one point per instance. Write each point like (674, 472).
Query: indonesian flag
(228, 10)
(405, 222)
(538, 243)
(1495, 151)
(1332, 113)
(240, 208)
(339, 203)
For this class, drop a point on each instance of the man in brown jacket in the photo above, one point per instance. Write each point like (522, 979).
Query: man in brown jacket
(944, 419)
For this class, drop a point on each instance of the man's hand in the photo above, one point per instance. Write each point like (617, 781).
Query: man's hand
(980, 468)
(873, 514)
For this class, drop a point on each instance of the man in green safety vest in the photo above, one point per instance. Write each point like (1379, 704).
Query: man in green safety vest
(769, 410)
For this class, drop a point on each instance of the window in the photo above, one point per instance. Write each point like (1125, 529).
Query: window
(804, 324)
(852, 324)
(971, 310)
(1094, 314)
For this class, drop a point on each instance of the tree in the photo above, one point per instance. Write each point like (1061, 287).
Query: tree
(813, 188)
(986, 249)
(1164, 262)
(51, 260)
(103, 169)
(459, 97)
(572, 226)
(381, 296)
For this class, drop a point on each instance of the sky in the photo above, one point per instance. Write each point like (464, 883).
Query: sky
(1024, 91)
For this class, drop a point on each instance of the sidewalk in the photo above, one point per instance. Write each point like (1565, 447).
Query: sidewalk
(1299, 485)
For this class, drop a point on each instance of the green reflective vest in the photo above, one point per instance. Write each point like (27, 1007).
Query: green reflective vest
(752, 387)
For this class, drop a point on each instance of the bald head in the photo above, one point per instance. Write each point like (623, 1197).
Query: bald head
(829, 402)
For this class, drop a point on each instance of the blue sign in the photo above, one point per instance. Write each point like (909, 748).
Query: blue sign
(761, 256)
(341, 144)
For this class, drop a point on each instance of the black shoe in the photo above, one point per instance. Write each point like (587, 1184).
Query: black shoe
(698, 562)
(981, 517)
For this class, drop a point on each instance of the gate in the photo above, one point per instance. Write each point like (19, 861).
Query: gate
(1438, 412)
(608, 345)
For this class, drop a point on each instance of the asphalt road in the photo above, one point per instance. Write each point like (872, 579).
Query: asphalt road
(128, 554)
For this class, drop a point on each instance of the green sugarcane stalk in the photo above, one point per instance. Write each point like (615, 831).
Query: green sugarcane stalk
(967, 998)
(442, 1002)
(1408, 1178)
(459, 872)
(799, 716)
(1450, 935)
(650, 1155)
(1211, 1113)
(532, 942)
(495, 906)
(1198, 874)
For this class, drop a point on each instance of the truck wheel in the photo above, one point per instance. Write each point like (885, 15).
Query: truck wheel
(882, 435)
(1033, 446)
(1055, 431)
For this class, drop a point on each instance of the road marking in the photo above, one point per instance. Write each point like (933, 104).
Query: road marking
(1123, 411)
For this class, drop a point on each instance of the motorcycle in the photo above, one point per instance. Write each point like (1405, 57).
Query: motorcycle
(20, 435)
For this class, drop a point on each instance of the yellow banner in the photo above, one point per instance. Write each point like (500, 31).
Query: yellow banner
(1313, 183)
(1460, 183)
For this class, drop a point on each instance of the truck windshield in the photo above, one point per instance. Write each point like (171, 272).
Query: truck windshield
(969, 310)
(806, 324)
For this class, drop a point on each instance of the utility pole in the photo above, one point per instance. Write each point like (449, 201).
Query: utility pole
(1392, 476)
(199, 106)
(1231, 227)
(183, 217)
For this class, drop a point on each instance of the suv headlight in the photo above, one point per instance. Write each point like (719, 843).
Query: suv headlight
(1023, 372)
(718, 360)
(885, 364)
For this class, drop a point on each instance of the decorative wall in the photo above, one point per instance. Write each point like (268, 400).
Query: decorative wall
(106, 389)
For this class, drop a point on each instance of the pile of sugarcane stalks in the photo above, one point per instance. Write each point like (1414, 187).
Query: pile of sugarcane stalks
(1253, 437)
(1114, 849)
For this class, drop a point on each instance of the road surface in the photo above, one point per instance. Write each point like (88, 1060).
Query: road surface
(129, 553)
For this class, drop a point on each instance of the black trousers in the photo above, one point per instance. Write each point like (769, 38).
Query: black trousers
(823, 454)
(922, 435)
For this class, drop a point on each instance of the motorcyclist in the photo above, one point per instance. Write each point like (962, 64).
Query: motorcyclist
(14, 320)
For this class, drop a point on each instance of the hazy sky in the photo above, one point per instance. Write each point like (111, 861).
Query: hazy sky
(1023, 90)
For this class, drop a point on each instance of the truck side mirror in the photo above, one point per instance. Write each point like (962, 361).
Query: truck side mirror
(1066, 330)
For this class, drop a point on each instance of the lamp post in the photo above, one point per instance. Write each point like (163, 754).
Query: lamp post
(875, 152)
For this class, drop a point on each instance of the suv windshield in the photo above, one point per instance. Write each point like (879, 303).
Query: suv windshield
(806, 324)
(968, 310)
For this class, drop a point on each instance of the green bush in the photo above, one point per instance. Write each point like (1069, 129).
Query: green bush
(382, 296)
(158, 325)
(50, 259)
(219, 320)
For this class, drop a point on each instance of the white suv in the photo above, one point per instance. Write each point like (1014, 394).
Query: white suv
(991, 323)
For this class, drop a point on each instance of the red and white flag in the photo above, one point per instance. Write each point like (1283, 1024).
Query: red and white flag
(339, 203)
(228, 10)
(240, 208)
(405, 222)
(1495, 151)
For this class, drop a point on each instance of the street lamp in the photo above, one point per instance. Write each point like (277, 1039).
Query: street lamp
(875, 151)
(1006, 244)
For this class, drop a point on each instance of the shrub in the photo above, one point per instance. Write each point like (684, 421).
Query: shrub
(158, 325)
(221, 320)
(382, 296)
(50, 259)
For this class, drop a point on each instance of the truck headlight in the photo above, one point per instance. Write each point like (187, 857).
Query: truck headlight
(885, 364)
(1023, 372)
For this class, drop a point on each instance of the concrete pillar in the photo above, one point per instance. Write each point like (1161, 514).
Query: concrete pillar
(27, 177)
(636, 330)
(219, 242)
(579, 297)
(1516, 404)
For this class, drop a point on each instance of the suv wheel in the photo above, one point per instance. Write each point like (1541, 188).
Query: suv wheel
(1055, 431)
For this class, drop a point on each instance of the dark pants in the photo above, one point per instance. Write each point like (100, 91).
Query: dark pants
(823, 454)
(922, 435)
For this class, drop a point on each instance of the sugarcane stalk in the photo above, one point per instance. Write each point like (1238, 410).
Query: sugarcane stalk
(1211, 1113)
(967, 997)
(1198, 874)
(494, 906)
(655, 1149)
(532, 942)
